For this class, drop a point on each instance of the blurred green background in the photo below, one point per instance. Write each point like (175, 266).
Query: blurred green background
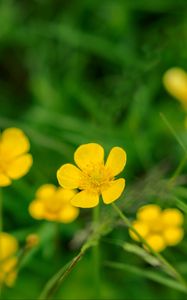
(73, 72)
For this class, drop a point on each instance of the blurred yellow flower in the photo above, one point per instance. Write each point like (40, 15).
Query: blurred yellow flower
(15, 162)
(175, 82)
(160, 228)
(53, 204)
(8, 259)
(94, 178)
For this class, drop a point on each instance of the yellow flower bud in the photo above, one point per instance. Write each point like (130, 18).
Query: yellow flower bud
(175, 81)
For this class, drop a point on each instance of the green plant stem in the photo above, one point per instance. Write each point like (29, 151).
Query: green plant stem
(54, 283)
(179, 168)
(96, 256)
(173, 132)
(180, 142)
(167, 266)
(154, 276)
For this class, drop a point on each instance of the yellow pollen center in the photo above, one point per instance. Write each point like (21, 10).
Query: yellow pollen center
(95, 178)
(53, 207)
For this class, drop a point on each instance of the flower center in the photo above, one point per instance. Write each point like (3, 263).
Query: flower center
(95, 178)
(53, 206)
(157, 226)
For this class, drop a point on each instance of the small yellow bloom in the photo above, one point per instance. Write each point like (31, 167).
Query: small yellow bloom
(53, 204)
(160, 228)
(92, 177)
(175, 82)
(8, 259)
(15, 162)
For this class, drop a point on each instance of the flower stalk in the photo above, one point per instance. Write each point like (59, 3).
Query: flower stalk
(96, 255)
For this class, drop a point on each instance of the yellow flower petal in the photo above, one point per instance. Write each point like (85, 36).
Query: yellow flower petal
(13, 143)
(116, 160)
(156, 242)
(173, 235)
(172, 217)
(114, 191)
(46, 191)
(36, 209)
(88, 155)
(4, 180)
(64, 195)
(141, 228)
(175, 81)
(9, 245)
(85, 199)
(149, 213)
(8, 275)
(69, 176)
(19, 166)
(68, 214)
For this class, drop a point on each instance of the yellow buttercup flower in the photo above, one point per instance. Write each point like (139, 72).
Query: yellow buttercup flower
(92, 177)
(175, 81)
(8, 259)
(160, 228)
(15, 162)
(53, 204)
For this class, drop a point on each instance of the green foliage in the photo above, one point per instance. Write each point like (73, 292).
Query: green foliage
(74, 72)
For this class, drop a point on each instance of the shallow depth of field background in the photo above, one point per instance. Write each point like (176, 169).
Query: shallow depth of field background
(74, 72)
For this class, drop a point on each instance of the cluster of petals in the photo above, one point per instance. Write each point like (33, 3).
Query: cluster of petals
(160, 228)
(92, 177)
(15, 161)
(53, 204)
(8, 259)
(175, 82)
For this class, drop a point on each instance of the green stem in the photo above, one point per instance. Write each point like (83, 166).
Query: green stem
(167, 266)
(152, 275)
(179, 168)
(55, 282)
(180, 142)
(96, 256)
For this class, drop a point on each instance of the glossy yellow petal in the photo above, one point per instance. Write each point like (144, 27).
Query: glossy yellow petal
(68, 214)
(64, 195)
(37, 209)
(69, 176)
(19, 166)
(116, 160)
(141, 228)
(149, 213)
(114, 191)
(13, 143)
(85, 199)
(172, 217)
(175, 81)
(4, 180)
(173, 236)
(9, 245)
(8, 274)
(88, 155)
(156, 242)
(46, 191)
